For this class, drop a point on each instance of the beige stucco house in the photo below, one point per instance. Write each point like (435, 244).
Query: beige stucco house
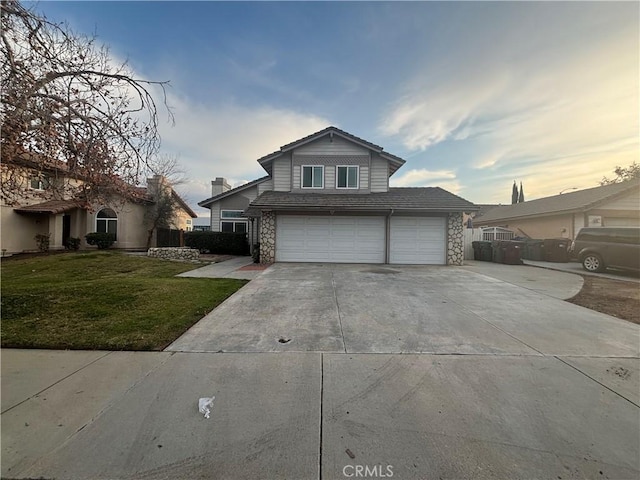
(38, 211)
(326, 198)
(562, 216)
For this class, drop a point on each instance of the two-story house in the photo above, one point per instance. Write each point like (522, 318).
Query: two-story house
(43, 207)
(326, 198)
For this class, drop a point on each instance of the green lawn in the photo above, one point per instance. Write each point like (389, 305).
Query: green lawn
(103, 300)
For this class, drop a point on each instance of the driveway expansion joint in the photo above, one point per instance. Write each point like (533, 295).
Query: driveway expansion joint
(56, 382)
(335, 297)
(599, 383)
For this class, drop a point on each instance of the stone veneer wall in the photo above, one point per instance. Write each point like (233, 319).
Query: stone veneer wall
(268, 237)
(455, 239)
(174, 253)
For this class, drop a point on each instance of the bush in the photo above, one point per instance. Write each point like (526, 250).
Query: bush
(101, 240)
(73, 243)
(218, 242)
(43, 241)
(256, 253)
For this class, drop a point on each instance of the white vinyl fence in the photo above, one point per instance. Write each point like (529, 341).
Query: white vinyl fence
(471, 235)
(486, 234)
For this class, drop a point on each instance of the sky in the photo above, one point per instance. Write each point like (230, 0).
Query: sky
(473, 95)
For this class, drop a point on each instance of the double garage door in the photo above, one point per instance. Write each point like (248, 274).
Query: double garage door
(353, 239)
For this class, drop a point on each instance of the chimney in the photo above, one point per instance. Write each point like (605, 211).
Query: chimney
(155, 183)
(218, 186)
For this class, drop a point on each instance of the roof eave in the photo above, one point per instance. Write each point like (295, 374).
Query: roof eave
(211, 200)
(533, 215)
(374, 208)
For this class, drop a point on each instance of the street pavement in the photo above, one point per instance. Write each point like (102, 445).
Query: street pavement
(324, 371)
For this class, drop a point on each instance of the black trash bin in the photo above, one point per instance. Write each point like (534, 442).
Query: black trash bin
(533, 250)
(497, 251)
(513, 252)
(556, 250)
(486, 251)
(477, 253)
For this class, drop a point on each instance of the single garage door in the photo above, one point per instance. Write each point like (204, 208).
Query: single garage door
(418, 240)
(621, 222)
(334, 239)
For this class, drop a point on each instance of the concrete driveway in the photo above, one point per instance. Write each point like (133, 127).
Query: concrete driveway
(412, 372)
(383, 309)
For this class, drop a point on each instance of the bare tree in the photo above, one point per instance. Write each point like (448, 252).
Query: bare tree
(165, 174)
(69, 111)
(623, 174)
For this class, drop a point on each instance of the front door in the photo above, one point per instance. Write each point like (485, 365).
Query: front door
(66, 230)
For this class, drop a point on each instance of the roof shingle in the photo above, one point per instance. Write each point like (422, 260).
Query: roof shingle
(567, 202)
(433, 199)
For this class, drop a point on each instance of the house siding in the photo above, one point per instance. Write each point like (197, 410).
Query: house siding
(627, 202)
(551, 226)
(379, 174)
(265, 186)
(364, 177)
(281, 173)
(18, 231)
(330, 163)
(215, 217)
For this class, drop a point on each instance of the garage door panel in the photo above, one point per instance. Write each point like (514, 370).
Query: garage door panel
(330, 239)
(418, 240)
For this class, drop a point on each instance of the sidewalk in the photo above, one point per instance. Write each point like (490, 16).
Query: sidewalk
(561, 285)
(232, 268)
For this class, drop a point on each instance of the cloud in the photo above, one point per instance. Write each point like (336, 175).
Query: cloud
(555, 110)
(422, 177)
(225, 141)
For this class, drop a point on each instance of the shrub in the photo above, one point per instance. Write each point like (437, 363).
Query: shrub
(220, 243)
(101, 240)
(42, 240)
(73, 243)
(256, 253)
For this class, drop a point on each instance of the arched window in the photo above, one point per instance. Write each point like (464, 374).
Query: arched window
(107, 222)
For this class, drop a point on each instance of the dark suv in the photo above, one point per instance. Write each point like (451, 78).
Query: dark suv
(602, 247)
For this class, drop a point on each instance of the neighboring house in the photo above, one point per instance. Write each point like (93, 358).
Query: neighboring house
(471, 219)
(39, 212)
(326, 198)
(562, 216)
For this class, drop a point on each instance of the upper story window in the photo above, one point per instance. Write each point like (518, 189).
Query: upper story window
(188, 221)
(39, 183)
(312, 176)
(231, 214)
(347, 176)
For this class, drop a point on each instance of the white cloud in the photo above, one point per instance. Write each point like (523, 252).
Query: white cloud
(557, 114)
(226, 141)
(422, 177)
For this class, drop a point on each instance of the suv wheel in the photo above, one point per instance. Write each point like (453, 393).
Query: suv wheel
(592, 263)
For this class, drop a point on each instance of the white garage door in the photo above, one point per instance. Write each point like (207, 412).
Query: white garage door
(330, 239)
(621, 222)
(418, 240)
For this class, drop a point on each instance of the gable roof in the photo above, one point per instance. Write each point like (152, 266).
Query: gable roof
(220, 196)
(565, 203)
(395, 161)
(177, 198)
(427, 199)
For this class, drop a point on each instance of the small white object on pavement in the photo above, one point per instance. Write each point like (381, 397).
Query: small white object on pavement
(205, 405)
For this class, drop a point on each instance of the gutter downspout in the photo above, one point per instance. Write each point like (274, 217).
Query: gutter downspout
(387, 239)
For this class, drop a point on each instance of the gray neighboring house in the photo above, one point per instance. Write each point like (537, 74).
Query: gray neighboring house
(326, 198)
